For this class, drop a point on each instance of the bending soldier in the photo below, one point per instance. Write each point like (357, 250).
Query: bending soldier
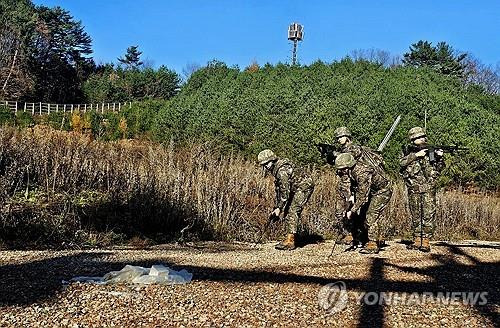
(357, 231)
(372, 190)
(293, 189)
(420, 176)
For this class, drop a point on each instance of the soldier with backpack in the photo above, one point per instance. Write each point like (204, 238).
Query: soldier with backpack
(356, 224)
(372, 190)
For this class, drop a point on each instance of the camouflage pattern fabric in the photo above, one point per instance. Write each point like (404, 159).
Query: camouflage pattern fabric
(373, 189)
(354, 150)
(423, 213)
(293, 188)
(343, 192)
(420, 177)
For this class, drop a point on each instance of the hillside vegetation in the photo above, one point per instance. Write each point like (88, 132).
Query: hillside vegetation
(289, 109)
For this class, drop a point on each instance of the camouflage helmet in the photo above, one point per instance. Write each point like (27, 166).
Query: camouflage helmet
(266, 156)
(344, 160)
(416, 132)
(342, 132)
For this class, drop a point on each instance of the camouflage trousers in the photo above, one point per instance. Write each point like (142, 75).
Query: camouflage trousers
(423, 213)
(297, 203)
(374, 213)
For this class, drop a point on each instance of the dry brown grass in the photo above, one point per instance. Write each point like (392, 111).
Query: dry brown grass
(137, 188)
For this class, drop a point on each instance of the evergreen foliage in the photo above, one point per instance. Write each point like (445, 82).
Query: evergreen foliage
(290, 108)
(440, 58)
(132, 58)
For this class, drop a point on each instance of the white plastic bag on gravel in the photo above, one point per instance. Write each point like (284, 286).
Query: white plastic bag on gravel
(157, 274)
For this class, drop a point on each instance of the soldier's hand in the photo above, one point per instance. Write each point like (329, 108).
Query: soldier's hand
(276, 212)
(439, 152)
(351, 199)
(349, 214)
(421, 153)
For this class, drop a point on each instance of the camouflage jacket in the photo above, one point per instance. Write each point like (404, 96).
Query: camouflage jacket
(419, 173)
(345, 188)
(342, 195)
(366, 180)
(287, 180)
(354, 150)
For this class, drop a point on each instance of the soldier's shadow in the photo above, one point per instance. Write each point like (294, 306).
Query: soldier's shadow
(303, 239)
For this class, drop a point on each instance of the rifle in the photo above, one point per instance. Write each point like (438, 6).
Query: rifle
(329, 152)
(432, 150)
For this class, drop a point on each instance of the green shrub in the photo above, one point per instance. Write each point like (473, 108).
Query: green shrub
(6, 115)
(24, 119)
(290, 108)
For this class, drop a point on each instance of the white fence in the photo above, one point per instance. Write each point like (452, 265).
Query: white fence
(40, 108)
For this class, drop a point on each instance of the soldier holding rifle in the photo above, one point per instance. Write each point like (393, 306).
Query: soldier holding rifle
(421, 165)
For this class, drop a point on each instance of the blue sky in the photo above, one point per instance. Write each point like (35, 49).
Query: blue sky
(175, 33)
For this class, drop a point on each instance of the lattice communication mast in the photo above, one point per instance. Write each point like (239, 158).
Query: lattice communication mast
(295, 34)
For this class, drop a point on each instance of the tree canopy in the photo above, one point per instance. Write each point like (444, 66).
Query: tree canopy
(440, 58)
(132, 58)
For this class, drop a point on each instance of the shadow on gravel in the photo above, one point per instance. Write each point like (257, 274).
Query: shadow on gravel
(308, 239)
(39, 280)
(28, 283)
(492, 245)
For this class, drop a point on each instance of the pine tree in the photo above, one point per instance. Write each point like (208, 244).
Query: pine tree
(132, 58)
(440, 58)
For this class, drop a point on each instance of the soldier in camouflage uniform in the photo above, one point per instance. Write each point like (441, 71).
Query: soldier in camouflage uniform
(344, 140)
(420, 179)
(356, 229)
(293, 189)
(372, 189)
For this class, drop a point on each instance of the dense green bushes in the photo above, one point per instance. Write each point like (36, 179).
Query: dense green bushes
(110, 84)
(291, 108)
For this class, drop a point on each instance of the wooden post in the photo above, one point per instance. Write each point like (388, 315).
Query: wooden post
(64, 108)
(102, 108)
(72, 108)
(57, 108)
(85, 108)
(119, 106)
(25, 107)
(33, 109)
(114, 106)
(129, 104)
(15, 110)
(48, 108)
(108, 107)
(40, 108)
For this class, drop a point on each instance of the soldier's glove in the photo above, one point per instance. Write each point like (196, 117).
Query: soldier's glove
(349, 214)
(421, 153)
(351, 199)
(276, 212)
(439, 152)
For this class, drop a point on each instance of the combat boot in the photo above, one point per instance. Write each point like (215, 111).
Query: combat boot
(370, 248)
(287, 244)
(425, 247)
(417, 242)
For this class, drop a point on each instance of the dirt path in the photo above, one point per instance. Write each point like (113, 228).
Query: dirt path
(255, 285)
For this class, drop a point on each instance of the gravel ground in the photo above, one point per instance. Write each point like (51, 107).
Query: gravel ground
(248, 285)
